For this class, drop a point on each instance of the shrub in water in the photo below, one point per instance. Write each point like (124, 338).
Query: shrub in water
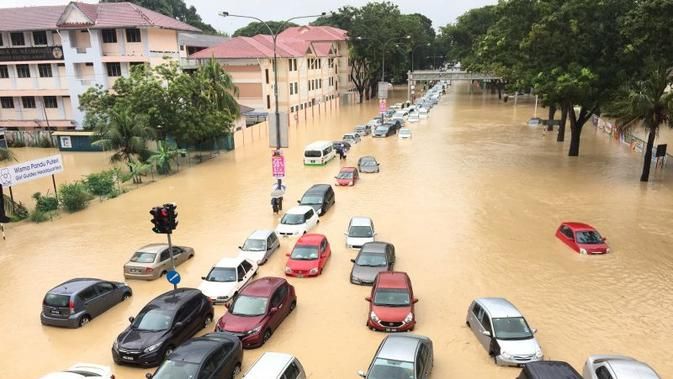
(45, 203)
(38, 216)
(74, 196)
(101, 183)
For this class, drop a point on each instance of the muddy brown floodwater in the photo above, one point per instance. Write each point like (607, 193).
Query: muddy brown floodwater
(471, 204)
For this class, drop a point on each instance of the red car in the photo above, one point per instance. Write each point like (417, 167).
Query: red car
(258, 310)
(582, 238)
(391, 305)
(309, 256)
(347, 176)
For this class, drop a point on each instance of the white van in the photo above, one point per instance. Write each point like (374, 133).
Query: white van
(318, 153)
(276, 366)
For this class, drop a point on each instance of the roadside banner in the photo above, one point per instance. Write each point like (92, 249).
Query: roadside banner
(31, 170)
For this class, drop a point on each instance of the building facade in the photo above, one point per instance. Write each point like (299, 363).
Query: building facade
(312, 69)
(50, 55)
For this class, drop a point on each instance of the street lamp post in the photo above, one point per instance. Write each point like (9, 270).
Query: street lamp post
(411, 79)
(274, 37)
(383, 53)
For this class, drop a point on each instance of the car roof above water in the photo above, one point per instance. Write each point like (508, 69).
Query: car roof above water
(73, 285)
(197, 349)
(174, 299)
(498, 307)
(361, 221)
(399, 347)
(260, 234)
(269, 365)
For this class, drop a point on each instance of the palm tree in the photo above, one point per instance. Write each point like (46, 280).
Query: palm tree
(7, 155)
(221, 89)
(125, 133)
(162, 158)
(648, 103)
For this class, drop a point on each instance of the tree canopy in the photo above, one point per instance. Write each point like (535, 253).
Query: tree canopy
(174, 8)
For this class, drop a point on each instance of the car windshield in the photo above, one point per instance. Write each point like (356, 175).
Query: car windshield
(389, 369)
(153, 320)
(222, 274)
(368, 163)
(588, 237)
(304, 253)
(349, 136)
(372, 260)
(345, 175)
(511, 328)
(143, 257)
(254, 245)
(382, 129)
(392, 297)
(177, 370)
(292, 219)
(54, 300)
(311, 199)
(249, 306)
(360, 232)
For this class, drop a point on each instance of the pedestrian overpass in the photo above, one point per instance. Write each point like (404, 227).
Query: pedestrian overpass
(428, 75)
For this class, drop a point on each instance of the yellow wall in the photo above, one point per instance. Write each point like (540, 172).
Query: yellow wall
(163, 40)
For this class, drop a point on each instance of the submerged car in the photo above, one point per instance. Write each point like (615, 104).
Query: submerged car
(383, 131)
(408, 356)
(360, 230)
(347, 176)
(351, 138)
(405, 133)
(163, 324)
(548, 370)
(74, 303)
(368, 164)
(363, 130)
(276, 366)
(582, 238)
(211, 356)
(503, 332)
(258, 310)
(297, 221)
(259, 246)
(309, 256)
(617, 367)
(414, 116)
(320, 197)
(154, 260)
(391, 303)
(227, 277)
(373, 258)
(82, 371)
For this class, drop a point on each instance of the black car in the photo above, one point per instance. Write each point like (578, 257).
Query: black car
(164, 323)
(345, 146)
(384, 130)
(548, 370)
(74, 303)
(395, 124)
(320, 197)
(368, 164)
(211, 356)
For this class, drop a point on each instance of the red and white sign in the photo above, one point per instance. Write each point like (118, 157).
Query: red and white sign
(278, 165)
(382, 105)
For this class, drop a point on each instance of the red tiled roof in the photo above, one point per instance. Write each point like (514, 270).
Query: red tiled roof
(315, 33)
(261, 46)
(104, 15)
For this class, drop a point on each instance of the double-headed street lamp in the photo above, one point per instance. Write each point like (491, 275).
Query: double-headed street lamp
(274, 37)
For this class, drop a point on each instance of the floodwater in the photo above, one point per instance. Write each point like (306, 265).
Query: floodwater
(471, 204)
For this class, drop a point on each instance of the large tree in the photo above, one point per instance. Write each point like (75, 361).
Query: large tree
(174, 8)
(462, 38)
(125, 133)
(254, 28)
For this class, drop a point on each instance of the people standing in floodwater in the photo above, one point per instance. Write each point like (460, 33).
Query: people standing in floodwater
(275, 205)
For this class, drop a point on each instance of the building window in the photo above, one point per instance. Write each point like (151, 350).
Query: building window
(110, 36)
(268, 102)
(45, 70)
(4, 73)
(291, 88)
(296, 87)
(28, 102)
(17, 39)
(266, 74)
(114, 69)
(23, 71)
(50, 102)
(309, 85)
(133, 35)
(293, 64)
(40, 38)
(2, 43)
(6, 102)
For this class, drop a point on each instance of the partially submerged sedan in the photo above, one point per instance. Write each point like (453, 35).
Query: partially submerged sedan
(582, 238)
(368, 164)
(617, 367)
(374, 257)
(154, 260)
(347, 176)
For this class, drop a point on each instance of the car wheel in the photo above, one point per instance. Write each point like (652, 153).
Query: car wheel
(84, 320)
(267, 335)
(207, 320)
(168, 351)
(293, 305)
(126, 296)
(163, 273)
(236, 372)
(467, 323)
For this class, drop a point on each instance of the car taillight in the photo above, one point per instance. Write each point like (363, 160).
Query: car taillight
(71, 305)
(112, 376)
(149, 269)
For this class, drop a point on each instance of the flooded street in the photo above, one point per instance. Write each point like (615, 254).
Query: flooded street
(471, 204)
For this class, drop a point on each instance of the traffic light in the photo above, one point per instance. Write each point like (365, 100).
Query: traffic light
(172, 215)
(160, 220)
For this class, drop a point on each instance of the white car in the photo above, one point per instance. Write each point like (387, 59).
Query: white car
(297, 221)
(259, 246)
(226, 278)
(276, 366)
(401, 114)
(423, 113)
(404, 133)
(413, 117)
(617, 367)
(352, 138)
(82, 371)
(360, 231)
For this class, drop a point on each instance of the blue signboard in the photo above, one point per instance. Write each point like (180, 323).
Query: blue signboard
(173, 277)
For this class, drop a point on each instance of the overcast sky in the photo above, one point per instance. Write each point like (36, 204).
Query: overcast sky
(440, 12)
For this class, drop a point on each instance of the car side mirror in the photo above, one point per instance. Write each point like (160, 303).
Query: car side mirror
(353, 260)
(274, 309)
(148, 375)
(287, 254)
(298, 201)
(415, 300)
(486, 333)
(534, 330)
(240, 247)
(131, 319)
(362, 373)
(369, 299)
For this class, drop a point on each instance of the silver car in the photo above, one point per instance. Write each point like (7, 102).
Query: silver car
(408, 356)
(503, 331)
(260, 245)
(276, 366)
(374, 257)
(360, 231)
(154, 260)
(617, 367)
